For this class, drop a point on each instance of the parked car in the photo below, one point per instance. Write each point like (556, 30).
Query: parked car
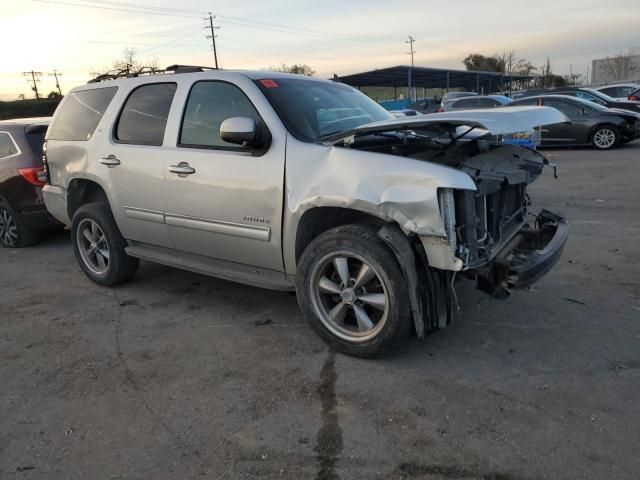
(591, 124)
(476, 102)
(450, 95)
(23, 214)
(594, 96)
(619, 91)
(300, 184)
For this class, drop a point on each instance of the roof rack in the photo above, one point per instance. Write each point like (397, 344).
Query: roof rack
(129, 73)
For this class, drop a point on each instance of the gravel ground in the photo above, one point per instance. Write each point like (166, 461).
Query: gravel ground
(177, 376)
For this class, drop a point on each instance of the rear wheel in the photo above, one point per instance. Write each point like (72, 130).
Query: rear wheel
(99, 246)
(352, 291)
(605, 137)
(13, 233)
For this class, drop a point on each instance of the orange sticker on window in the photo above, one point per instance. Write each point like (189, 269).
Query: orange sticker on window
(268, 83)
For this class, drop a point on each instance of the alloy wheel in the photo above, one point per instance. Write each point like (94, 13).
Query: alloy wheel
(93, 247)
(8, 228)
(604, 138)
(349, 296)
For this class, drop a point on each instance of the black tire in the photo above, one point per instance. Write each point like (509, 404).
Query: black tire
(358, 243)
(608, 131)
(120, 267)
(13, 232)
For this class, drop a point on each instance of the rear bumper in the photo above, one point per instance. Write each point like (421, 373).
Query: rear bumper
(527, 257)
(55, 198)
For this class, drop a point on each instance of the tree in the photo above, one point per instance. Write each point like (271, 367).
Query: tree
(54, 95)
(127, 65)
(575, 79)
(479, 62)
(548, 79)
(297, 68)
(617, 67)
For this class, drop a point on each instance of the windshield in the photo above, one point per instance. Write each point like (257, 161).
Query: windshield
(312, 109)
(591, 105)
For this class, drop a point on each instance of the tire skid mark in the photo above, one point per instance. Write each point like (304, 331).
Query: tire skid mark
(329, 438)
(139, 392)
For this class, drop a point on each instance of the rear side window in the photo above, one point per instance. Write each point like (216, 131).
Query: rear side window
(144, 116)
(210, 104)
(486, 102)
(7, 146)
(465, 103)
(80, 114)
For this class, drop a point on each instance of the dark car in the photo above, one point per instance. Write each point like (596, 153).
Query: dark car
(591, 124)
(475, 103)
(23, 214)
(591, 95)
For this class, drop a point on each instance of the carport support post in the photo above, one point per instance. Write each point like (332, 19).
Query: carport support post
(478, 83)
(395, 92)
(409, 84)
(447, 81)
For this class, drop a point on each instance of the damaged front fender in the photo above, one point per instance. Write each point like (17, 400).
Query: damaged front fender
(393, 188)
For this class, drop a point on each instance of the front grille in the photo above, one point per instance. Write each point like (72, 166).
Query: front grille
(485, 222)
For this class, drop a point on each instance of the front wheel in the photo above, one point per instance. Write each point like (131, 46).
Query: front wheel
(352, 291)
(99, 246)
(605, 137)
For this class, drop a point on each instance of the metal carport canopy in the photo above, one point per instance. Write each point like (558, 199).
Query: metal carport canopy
(426, 77)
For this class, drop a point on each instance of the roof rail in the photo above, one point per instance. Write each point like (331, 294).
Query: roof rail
(143, 71)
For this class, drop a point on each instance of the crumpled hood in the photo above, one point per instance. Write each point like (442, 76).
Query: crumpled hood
(498, 121)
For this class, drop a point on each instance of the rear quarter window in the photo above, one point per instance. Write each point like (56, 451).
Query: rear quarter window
(35, 139)
(7, 145)
(80, 113)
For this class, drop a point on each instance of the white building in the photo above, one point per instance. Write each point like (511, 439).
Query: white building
(619, 68)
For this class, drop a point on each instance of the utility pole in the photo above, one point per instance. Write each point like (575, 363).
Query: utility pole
(35, 78)
(412, 51)
(213, 36)
(57, 74)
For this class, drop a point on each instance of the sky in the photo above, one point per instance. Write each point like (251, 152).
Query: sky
(332, 36)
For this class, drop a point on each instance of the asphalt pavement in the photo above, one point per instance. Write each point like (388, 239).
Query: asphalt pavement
(176, 375)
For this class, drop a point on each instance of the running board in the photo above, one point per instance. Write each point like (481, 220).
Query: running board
(234, 272)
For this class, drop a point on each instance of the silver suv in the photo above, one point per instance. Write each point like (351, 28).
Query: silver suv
(299, 184)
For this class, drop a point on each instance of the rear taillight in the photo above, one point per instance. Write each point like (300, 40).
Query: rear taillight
(440, 110)
(34, 175)
(47, 174)
(634, 98)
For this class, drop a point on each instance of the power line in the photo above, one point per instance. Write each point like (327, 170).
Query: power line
(35, 78)
(238, 21)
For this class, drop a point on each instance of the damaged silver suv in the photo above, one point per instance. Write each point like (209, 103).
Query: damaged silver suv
(292, 183)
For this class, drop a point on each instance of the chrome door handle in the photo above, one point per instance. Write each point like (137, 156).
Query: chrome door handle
(110, 161)
(182, 168)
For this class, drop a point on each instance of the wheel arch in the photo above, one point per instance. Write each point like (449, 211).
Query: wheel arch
(82, 191)
(318, 220)
(603, 124)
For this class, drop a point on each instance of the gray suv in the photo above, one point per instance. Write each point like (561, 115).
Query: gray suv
(299, 184)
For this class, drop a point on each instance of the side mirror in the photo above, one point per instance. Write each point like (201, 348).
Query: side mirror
(241, 131)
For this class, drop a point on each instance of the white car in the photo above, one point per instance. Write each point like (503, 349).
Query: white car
(293, 183)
